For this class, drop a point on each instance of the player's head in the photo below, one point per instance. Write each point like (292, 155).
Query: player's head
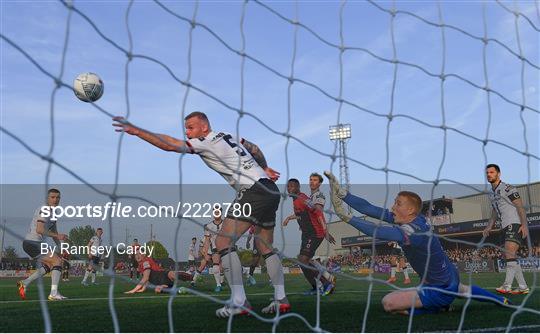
(139, 256)
(407, 206)
(197, 125)
(135, 241)
(493, 173)
(53, 197)
(99, 231)
(315, 180)
(293, 186)
(193, 240)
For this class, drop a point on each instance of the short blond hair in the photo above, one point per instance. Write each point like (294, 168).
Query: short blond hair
(414, 199)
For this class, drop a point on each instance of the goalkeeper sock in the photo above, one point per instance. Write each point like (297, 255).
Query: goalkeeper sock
(478, 291)
(56, 272)
(215, 270)
(275, 271)
(393, 272)
(233, 272)
(510, 272)
(252, 270)
(519, 276)
(40, 272)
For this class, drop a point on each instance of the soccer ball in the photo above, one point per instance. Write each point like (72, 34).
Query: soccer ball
(88, 87)
(182, 290)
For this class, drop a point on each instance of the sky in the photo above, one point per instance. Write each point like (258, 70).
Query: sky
(84, 142)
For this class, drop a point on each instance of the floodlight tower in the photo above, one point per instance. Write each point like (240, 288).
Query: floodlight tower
(341, 133)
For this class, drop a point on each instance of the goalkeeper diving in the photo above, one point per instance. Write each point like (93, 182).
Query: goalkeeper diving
(440, 283)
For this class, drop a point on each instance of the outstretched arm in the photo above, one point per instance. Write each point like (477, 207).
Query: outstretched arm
(382, 232)
(164, 142)
(363, 206)
(258, 155)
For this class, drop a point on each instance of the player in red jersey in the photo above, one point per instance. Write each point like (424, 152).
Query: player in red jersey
(152, 273)
(313, 226)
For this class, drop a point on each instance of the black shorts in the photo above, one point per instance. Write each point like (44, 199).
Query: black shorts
(32, 248)
(160, 278)
(191, 262)
(310, 243)
(511, 233)
(262, 199)
(396, 252)
(94, 260)
(65, 265)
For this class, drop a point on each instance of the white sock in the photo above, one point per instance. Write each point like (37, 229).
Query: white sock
(275, 271)
(40, 272)
(510, 273)
(233, 272)
(406, 273)
(221, 278)
(393, 272)
(217, 275)
(195, 276)
(519, 276)
(55, 279)
(86, 273)
(93, 277)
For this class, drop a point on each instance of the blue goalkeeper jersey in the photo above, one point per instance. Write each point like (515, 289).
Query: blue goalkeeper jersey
(422, 251)
(419, 248)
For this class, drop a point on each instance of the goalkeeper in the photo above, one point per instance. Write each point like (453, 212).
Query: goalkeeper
(439, 277)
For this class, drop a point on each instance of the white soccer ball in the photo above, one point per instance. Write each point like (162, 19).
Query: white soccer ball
(88, 87)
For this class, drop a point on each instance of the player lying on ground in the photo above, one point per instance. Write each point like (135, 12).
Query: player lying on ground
(311, 221)
(41, 228)
(243, 165)
(508, 206)
(439, 277)
(153, 274)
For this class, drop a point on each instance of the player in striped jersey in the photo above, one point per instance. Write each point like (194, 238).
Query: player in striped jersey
(41, 228)
(508, 206)
(243, 165)
(93, 257)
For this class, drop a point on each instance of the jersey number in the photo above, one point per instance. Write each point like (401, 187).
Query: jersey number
(239, 150)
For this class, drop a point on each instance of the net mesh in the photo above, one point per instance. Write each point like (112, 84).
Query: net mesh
(515, 102)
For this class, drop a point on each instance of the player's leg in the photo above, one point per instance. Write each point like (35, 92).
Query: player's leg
(255, 259)
(405, 270)
(225, 242)
(55, 263)
(510, 255)
(264, 241)
(200, 269)
(33, 249)
(401, 301)
(393, 268)
(95, 266)
(87, 273)
(479, 294)
(513, 241)
(309, 273)
(216, 270)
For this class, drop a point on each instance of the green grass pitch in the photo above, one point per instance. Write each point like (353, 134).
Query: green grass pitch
(87, 309)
